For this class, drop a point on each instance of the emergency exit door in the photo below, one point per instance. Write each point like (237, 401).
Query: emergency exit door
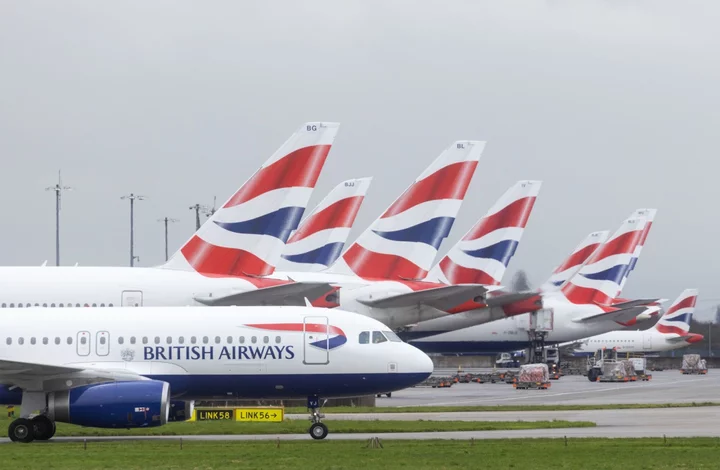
(647, 341)
(316, 341)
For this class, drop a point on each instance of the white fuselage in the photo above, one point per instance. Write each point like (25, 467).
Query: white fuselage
(210, 352)
(155, 287)
(511, 334)
(646, 341)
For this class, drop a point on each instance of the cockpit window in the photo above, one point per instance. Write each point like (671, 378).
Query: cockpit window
(392, 336)
(364, 337)
(378, 337)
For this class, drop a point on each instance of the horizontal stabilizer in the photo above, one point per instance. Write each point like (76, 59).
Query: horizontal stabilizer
(680, 339)
(620, 315)
(293, 293)
(441, 298)
(636, 303)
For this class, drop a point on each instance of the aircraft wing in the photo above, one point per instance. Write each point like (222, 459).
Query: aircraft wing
(635, 303)
(509, 298)
(441, 298)
(622, 315)
(293, 293)
(34, 376)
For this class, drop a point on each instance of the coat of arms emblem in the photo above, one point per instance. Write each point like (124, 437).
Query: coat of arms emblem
(127, 354)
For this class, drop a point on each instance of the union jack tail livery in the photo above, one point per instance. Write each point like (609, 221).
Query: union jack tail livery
(483, 254)
(598, 282)
(677, 318)
(247, 234)
(403, 242)
(575, 261)
(321, 237)
(648, 214)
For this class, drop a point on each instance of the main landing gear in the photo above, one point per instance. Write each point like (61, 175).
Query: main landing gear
(26, 430)
(318, 430)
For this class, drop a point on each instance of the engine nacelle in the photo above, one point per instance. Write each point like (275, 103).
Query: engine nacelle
(181, 410)
(145, 403)
(10, 397)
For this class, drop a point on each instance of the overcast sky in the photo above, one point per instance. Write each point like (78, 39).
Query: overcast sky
(613, 104)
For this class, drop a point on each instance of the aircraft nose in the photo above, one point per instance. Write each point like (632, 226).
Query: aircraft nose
(421, 362)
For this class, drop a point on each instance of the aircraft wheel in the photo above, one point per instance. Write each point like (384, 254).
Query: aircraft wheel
(318, 431)
(43, 428)
(21, 430)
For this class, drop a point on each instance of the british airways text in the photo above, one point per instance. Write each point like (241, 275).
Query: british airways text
(204, 353)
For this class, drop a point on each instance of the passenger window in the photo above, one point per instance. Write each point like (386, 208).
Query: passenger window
(45, 341)
(378, 337)
(110, 305)
(83, 340)
(45, 305)
(266, 339)
(102, 339)
(229, 339)
(20, 305)
(94, 305)
(77, 305)
(62, 305)
(157, 340)
(32, 340)
(52, 305)
(242, 340)
(364, 337)
(8, 341)
(120, 340)
(277, 339)
(69, 340)
(193, 340)
(4, 305)
(132, 340)
(169, 339)
(205, 340)
(87, 305)
(12, 305)
(27, 305)
(102, 305)
(145, 340)
(181, 340)
(21, 341)
(57, 340)
(253, 339)
(217, 340)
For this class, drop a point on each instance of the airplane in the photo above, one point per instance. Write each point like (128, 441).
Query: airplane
(499, 304)
(127, 367)
(672, 331)
(382, 273)
(582, 308)
(226, 262)
(321, 237)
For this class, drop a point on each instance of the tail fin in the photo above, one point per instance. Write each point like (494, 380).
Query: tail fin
(247, 234)
(599, 280)
(483, 254)
(575, 261)
(677, 318)
(322, 235)
(403, 242)
(648, 214)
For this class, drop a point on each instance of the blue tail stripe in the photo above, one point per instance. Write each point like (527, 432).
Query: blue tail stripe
(325, 255)
(614, 274)
(431, 232)
(501, 251)
(278, 224)
(684, 318)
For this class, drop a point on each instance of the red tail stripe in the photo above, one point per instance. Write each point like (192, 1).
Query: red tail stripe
(339, 214)
(586, 295)
(623, 244)
(645, 233)
(300, 168)
(577, 258)
(687, 302)
(515, 214)
(670, 329)
(450, 182)
(368, 264)
(457, 274)
(206, 258)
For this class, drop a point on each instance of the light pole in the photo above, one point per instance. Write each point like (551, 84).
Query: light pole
(58, 188)
(132, 198)
(198, 208)
(166, 220)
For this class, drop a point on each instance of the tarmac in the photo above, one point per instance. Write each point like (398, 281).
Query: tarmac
(665, 387)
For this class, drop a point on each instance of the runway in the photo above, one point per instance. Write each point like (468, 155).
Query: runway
(665, 387)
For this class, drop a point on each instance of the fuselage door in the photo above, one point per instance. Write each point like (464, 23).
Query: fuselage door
(316, 341)
(132, 298)
(102, 346)
(647, 341)
(83, 343)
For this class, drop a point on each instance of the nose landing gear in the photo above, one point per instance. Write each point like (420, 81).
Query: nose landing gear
(318, 430)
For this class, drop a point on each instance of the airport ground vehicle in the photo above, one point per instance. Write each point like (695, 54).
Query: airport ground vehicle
(693, 364)
(532, 376)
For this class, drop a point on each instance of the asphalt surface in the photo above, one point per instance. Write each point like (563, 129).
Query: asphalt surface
(665, 387)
